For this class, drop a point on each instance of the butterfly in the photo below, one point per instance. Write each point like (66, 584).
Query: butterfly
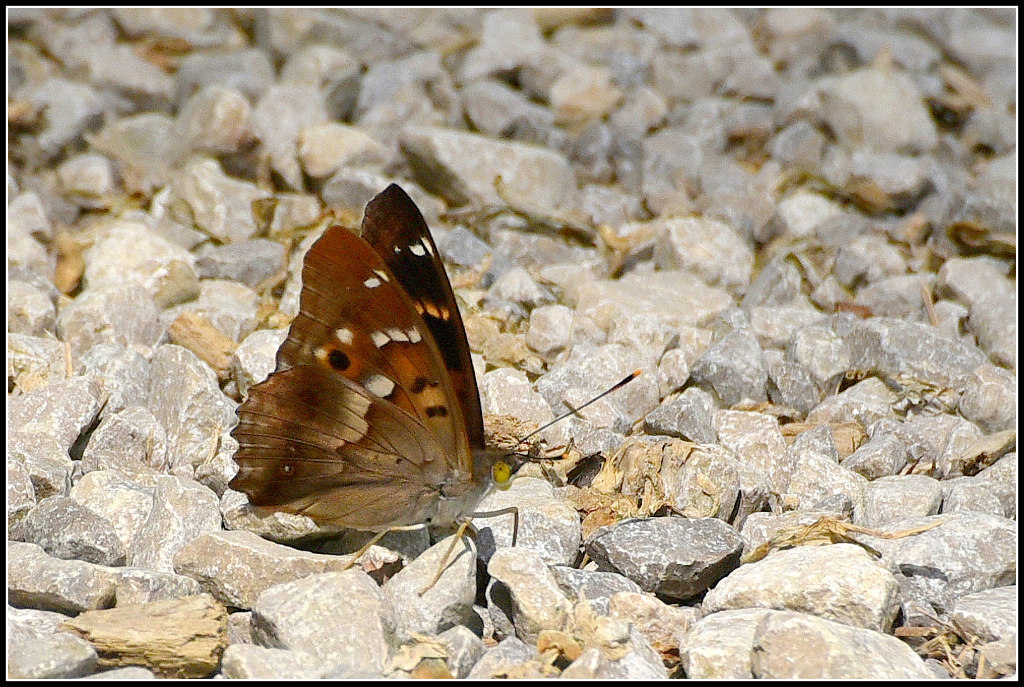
(371, 419)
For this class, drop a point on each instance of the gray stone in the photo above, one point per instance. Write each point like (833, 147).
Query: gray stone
(790, 384)
(140, 586)
(898, 497)
(720, 645)
(510, 654)
(712, 250)
(989, 399)
(21, 495)
(447, 603)
(674, 557)
(182, 511)
(496, 110)
(123, 499)
(517, 286)
(236, 567)
(464, 649)
(733, 368)
(865, 258)
(548, 525)
(898, 296)
(220, 205)
(281, 113)
(250, 662)
(967, 552)
(186, 399)
(145, 146)
(71, 108)
(550, 327)
(689, 416)
(247, 71)
(30, 312)
(250, 262)
(507, 391)
(537, 602)
(916, 350)
(588, 372)
(325, 148)
(38, 580)
(34, 361)
(216, 119)
(353, 634)
(800, 145)
(855, 107)
(676, 297)
(121, 315)
(131, 440)
(802, 213)
(47, 656)
(864, 403)
(463, 168)
(124, 373)
(582, 93)
(229, 306)
(842, 583)
(709, 484)
(462, 247)
(509, 39)
(596, 587)
(673, 371)
(818, 482)
(45, 462)
(989, 614)
(794, 645)
(880, 456)
(255, 357)
(979, 494)
(58, 411)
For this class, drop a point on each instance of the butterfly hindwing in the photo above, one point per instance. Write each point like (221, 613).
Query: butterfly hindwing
(314, 443)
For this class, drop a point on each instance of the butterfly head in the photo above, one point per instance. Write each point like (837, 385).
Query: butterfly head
(505, 463)
(501, 474)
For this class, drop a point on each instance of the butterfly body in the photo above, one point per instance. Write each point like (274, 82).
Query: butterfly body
(372, 418)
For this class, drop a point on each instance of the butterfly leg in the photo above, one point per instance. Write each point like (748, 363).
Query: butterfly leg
(513, 510)
(376, 538)
(444, 561)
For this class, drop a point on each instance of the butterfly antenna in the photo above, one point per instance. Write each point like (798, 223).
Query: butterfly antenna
(629, 378)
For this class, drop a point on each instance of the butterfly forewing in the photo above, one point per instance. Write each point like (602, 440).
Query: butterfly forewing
(394, 226)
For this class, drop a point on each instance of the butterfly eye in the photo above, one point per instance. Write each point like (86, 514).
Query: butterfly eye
(501, 473)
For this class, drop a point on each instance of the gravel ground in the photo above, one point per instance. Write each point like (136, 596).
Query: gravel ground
(799, 224)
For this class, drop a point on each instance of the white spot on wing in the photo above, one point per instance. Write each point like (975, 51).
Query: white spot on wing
(426, 245)
(372, 283)
(414, 335)
(396, 334)
(382, 275)
(344, 336)
(379, 338)
(380, 385)
(418, 249)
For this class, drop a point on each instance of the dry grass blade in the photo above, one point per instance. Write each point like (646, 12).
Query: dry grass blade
(825, 530)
